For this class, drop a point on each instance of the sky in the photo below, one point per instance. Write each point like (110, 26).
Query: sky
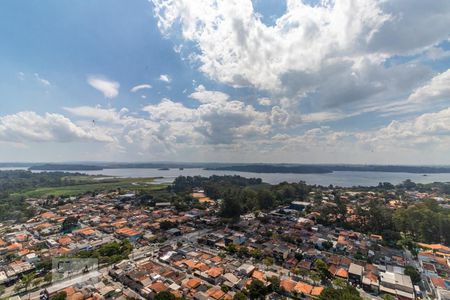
(343, 81)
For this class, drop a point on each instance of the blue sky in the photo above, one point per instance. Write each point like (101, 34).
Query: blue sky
(259, 81)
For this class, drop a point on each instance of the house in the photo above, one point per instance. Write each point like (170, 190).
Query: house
(245, 269)
(355, 273)
(396, 285)
(129, 233)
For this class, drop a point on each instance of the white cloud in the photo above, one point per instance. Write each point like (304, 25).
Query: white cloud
(165, 78)
(437, 89)
(323, 116)
(109, 88)
(28, 126)
(39, 78)
(140, 87)
(167, 110)
(204, 96)
(264, 101)
(97, 113)
(430, 130)
(330, 54)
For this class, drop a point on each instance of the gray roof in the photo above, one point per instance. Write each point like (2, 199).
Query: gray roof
(355, 269)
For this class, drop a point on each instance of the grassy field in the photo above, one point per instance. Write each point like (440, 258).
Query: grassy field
(76, 185)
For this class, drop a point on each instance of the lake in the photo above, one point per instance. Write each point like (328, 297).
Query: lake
(339, 178)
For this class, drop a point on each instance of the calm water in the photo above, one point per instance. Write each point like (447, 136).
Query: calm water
(345, 179)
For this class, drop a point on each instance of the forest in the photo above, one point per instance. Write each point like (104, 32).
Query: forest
(420, 221)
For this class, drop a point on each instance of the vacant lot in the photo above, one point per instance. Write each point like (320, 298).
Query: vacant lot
(76, 185)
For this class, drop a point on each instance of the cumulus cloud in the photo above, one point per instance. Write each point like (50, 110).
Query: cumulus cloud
(109, 88)
(429, 129)
(437, 89)
(165, 78)
(332, 53)
(204, 96)
(28, 126)
(216, 120)
(168, 110)
(140, 87)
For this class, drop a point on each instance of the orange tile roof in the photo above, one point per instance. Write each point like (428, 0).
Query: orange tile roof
(216, 259)
(288, 285)
(341, 272)
(317, 290)
(43, 226)
(127, 231)
(119, 224)
(24, 252)
(205, 256)
(258, 275)
(215, 293)
(443, 254)
(201, 266)
(59, 251)
(48, 215)
(304, 288)
(69, 291)
(158, 287)
(198, 195)
(14, 247)
(215, 272)
(85, 231)
(65, 240)
(188, 262)
(193, 283)
(434, 247)
(76, 296)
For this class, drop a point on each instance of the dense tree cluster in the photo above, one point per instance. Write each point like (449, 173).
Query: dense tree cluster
(109, 253)
(12, 204)
(425, 221)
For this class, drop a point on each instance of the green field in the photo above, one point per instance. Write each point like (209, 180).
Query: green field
(77, 185)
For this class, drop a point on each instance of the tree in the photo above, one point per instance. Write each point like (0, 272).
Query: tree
(257, 289)
(322, 268)
(59, 296)
(274, 283)
(165, 295)
(69, 224)
(266, 200)
(268, 261)
(232, 248)
(26, 280)
(327, 245)
(164, 225)
(231, 208)
(239, 296)
(346, 293)
(256, 253)
(388, 297)
(413, 273)
(243, 251)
